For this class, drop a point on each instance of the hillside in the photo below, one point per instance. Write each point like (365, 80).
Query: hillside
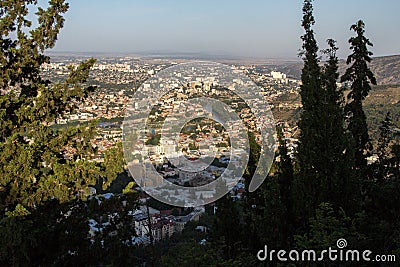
(381, 100)
(386, 69)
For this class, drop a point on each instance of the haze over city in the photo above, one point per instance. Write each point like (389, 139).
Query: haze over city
(262, 29)
(199, 133)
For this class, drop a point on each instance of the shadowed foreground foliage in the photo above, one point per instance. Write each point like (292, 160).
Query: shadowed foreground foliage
(326, 192)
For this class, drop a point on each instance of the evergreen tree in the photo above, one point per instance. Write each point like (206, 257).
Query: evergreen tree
(311, 139)
(268, 212)
(339, 186)
(308, 149)
(285, 180)
(326, 227)
(252, 201)
(382, 167)
(38, 163)
(382, 202)
(323, 155)
(45, 172)
(361, 78)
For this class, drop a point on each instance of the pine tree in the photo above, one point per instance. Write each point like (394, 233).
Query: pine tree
(361, 78)
(311, 142)
(386, 166)
(339, 186)
(45, 172)
(34, 163)
(324, 157)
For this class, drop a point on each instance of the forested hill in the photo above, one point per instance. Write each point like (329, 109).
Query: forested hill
(386, 69)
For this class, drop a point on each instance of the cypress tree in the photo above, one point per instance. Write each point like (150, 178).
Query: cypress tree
(359, 75)
(338, 184)
(310, 146)
(361, 78)
(324, 160)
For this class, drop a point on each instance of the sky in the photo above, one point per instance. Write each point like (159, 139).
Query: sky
(252, 28)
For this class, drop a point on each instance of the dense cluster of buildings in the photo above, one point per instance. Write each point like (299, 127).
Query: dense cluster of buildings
(148, 223)
(117, 81)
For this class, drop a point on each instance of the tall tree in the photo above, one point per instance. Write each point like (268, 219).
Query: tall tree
(339, 186)
(383, 201)
(285, 181)
(383, 149)
(310, 142)
(44, 172)
(361, 78)
(323, 154)
(38, 163)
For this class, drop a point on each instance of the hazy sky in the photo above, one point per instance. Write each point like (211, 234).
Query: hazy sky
(257, 28)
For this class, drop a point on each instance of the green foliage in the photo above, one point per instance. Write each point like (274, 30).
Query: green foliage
(339, 184)
(17, 239)
(386, 166)
(326, 228)
(19, 211)
(192, 146)
(154, 140)
(113, 164)
(129, 188)
(285, 178)
(313, 207)
(45, 171)
(324, 154)
(37, 162)
(361, 78)
(310, 139)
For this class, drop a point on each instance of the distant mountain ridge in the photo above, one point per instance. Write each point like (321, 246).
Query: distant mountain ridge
(386, 69)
